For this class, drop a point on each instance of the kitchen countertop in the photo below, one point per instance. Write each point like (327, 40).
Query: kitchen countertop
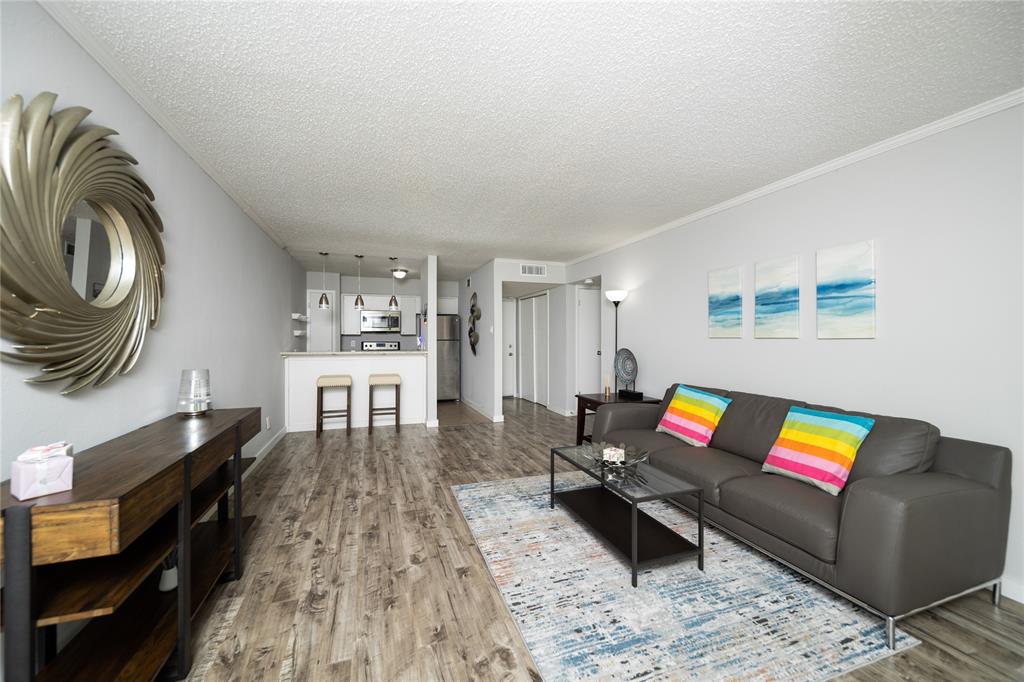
(347, 353)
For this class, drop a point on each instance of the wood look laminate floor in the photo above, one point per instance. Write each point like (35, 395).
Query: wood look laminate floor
(361, 567)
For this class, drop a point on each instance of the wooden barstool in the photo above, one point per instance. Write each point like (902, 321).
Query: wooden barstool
(333, 381)
(387, 380)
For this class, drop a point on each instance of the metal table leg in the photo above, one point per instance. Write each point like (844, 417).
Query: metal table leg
(552, 478)
(19, 620)
(633, 537)
(700, 530)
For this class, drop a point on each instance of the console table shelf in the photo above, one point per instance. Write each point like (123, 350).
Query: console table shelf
(95, 551)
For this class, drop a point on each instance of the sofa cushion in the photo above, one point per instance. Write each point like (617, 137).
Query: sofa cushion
(645, 439)
(707, 467)
(751, 424)
(671, 391)
(818, 447)
(693, 415)
(895, 445)
(800, 514)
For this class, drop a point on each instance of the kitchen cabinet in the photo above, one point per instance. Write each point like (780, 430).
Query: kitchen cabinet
(409, 307)
(350, 319)
(376, 301)
(448, 305)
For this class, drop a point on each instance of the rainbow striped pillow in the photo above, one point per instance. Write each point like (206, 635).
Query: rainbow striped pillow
(693, 415)
(818, 447)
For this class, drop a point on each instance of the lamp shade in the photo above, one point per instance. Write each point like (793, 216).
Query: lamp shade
(194, 392)
(325, 303)
(359, 302)
(393, 303)
(616, 295)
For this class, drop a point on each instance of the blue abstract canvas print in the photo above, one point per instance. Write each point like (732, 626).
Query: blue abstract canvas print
(846, 291)
(777, 299)
(725, 303)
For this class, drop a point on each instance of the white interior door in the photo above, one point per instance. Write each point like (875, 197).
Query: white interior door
(540, 348)
(323, 328)
(508, 351)
(588, 341)
(526, 356)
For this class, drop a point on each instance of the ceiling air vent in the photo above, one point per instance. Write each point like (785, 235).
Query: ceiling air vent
(533, 270)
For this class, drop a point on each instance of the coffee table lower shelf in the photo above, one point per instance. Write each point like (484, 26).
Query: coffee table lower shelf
(611, 517)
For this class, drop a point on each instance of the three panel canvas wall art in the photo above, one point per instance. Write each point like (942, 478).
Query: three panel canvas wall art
(845, 296)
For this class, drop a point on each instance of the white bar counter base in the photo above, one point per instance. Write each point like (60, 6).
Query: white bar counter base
(302, 369)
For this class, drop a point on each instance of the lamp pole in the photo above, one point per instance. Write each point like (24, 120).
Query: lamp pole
(616, 296)
(615, 351)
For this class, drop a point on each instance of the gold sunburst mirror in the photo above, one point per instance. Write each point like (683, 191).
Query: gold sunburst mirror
(81, 256)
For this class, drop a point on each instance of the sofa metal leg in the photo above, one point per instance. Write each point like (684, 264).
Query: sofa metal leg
(890, 632)
(997, 592)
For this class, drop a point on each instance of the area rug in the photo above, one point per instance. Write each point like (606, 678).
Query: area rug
(745, 617)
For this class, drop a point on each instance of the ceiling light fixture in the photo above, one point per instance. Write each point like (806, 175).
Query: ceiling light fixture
(325, 303)
(393, 303)
(399, 273)
(359, 289)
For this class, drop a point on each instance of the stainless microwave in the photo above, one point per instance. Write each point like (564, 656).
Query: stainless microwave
(381, 321)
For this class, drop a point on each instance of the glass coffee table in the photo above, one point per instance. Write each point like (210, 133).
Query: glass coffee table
(610, 508)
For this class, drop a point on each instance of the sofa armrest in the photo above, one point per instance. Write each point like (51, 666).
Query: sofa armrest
(988, 464)
(625, 416)
(909, 540)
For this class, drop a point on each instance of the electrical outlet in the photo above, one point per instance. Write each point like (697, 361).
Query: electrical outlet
(268, 423)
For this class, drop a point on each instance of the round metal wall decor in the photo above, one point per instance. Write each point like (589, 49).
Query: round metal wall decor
(53, 165)
(625, 366)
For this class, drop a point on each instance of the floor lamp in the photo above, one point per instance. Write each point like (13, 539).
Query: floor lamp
(616, 296)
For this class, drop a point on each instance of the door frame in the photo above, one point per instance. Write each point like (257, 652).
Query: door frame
(515, 359)
(579, 335)
(547, 373)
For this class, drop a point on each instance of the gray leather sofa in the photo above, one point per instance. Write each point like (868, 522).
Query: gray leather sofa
(922, 519)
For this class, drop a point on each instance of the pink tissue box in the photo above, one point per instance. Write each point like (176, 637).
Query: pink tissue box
(42, 470)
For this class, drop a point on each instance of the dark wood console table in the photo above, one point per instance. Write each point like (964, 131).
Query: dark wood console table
(587, 403)
(95, 551)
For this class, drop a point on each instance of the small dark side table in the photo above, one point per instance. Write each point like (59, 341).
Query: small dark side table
(587, 403)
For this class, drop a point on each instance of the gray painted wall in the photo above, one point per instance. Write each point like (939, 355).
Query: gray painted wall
(481, 373)
(229, 288)
(946, 216)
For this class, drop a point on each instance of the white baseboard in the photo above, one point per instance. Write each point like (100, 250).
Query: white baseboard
(274, 440)
(1013, 589)
(432, 424)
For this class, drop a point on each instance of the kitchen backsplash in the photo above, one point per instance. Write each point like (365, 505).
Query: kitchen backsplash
(355, 342)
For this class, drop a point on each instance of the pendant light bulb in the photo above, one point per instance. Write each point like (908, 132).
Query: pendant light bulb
(393, 303)
(359, 289)
(324, 303)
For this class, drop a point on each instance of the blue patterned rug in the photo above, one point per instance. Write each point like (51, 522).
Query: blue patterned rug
(746, 617)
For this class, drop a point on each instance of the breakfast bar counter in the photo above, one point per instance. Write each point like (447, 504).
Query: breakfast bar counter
(301, 370)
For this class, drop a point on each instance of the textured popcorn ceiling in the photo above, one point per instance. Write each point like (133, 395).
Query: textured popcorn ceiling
(538, 131)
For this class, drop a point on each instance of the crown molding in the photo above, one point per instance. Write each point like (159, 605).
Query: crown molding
(67, 20)
(992, 106)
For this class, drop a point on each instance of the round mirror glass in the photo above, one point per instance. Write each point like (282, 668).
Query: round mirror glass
(85, 246)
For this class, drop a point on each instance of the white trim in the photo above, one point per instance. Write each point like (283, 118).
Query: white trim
(98, 51)
(992, 106)
(476, 408)
(1012, 588)
(433, 424)
(274, 440)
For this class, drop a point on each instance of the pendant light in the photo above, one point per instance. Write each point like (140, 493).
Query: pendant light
(359, 274)
(393, 303)
(325, 303)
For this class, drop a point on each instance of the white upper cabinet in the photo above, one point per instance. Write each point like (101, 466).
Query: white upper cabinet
(448, 305)
(409, 306)
(350, 320)
(376, 301)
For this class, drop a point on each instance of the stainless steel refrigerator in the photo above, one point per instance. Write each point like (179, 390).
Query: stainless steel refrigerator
(449, 358)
